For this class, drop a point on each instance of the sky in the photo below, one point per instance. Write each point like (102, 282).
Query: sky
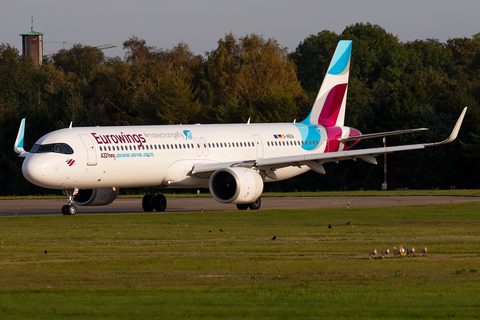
(201, 23)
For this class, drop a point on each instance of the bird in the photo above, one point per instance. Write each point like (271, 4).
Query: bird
(221, 230)
(209, 230)
(330, 227)
(274, 238)
(348, 223)
(45, 251)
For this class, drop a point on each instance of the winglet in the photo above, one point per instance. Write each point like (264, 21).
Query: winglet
(18, 147)
(454, 133)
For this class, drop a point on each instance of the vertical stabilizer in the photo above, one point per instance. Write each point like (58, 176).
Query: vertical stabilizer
(329, 107)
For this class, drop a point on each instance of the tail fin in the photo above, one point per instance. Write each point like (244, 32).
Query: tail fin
(329, 107)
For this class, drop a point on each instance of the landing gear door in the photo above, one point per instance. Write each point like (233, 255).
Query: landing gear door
(259, 146)
(91, 151)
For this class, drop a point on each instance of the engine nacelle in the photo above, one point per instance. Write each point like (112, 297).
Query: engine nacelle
(236, 185)
(95, 197)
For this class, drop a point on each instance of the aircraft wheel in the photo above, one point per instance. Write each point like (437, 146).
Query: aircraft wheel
(160, 203)
(64, 210)
(242, 206)
(147, 203)
(255, 205)
(71, 210)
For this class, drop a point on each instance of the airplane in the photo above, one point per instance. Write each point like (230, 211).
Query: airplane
(91, 164)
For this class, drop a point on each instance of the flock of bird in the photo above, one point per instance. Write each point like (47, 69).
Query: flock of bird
(371, 253)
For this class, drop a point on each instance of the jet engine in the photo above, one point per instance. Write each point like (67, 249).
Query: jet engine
(236, 185)
(95, 197)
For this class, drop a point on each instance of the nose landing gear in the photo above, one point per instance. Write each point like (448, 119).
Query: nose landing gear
(70, 209)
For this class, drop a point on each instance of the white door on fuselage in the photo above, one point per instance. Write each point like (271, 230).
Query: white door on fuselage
(259, 146)
(91, 151)
(198, 147)
(204, 145)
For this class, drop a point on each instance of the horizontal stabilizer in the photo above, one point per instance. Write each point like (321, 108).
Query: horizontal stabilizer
(381, 134)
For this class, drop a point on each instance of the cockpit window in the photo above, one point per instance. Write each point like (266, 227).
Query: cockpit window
(53, 147)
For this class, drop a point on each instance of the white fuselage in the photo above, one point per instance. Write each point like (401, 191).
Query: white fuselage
(163, 156)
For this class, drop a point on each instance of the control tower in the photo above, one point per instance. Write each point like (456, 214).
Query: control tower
(32, 46)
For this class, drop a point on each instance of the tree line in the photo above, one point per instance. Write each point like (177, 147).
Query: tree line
(393, 86)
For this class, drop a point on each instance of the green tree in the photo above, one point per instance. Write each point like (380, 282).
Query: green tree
(248, 77)
(20, 97)
(312, 58)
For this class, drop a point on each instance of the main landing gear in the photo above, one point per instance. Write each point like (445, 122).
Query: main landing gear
(152, 202)
(70, 209)
(255, 205)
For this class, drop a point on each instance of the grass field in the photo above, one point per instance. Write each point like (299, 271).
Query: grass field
(181, 265)
(358, 193)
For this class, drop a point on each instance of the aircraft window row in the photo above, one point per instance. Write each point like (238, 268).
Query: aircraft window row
(52, 147)
(147, 147)
(176, 146)
(292, 143)
(230, 144)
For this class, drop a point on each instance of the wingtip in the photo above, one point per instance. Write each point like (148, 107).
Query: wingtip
(454, 133)
(18, 146)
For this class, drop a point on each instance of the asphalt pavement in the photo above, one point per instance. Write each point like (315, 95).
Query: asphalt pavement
(53, 206)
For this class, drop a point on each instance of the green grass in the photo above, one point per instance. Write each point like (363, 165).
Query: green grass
(179, 265)
(358, 193)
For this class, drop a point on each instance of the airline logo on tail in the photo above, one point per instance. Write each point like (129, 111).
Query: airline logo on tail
(329, 107)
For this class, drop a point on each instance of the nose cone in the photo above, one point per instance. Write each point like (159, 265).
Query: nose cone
(34, 169)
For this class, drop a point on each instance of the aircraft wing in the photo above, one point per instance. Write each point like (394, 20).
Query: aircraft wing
(315, 160)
